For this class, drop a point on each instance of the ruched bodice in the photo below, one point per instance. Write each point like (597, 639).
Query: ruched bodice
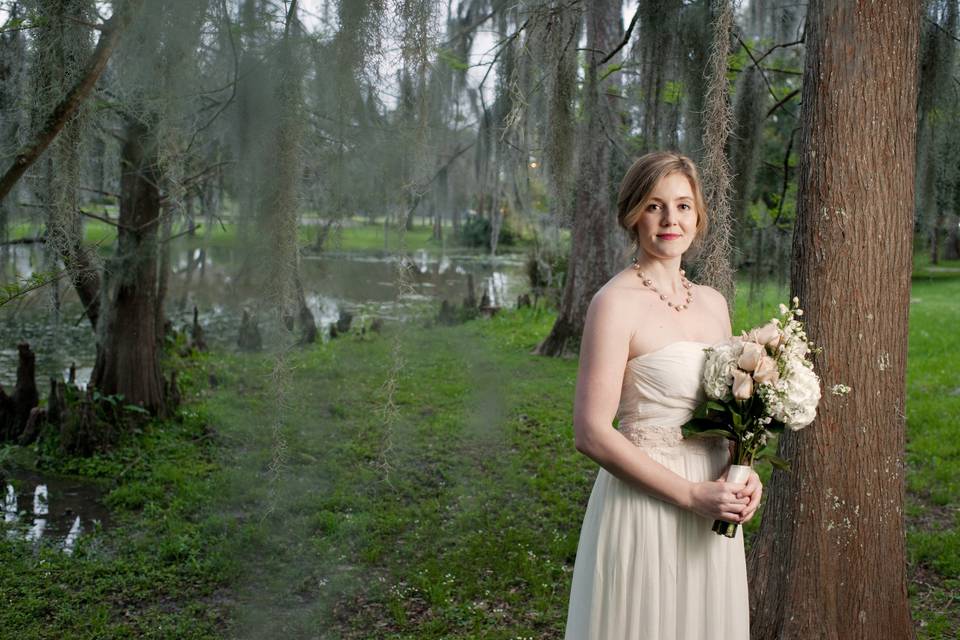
(660, 391)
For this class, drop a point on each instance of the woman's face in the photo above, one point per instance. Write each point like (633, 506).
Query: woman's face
(668, 222)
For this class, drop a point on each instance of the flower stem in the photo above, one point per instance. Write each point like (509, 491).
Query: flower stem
(724, 528)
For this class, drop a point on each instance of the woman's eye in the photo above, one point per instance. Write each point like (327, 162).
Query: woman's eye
(684, 206)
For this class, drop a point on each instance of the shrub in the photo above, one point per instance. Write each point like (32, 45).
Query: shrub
(475, 232)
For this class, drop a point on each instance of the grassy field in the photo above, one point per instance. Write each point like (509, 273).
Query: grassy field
(418, 484)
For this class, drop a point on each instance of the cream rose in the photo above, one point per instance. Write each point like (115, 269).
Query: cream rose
(768, 335)
(766, 371)
(742, 385)
(750, 358)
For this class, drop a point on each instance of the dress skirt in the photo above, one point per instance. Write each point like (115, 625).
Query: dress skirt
(648, 570)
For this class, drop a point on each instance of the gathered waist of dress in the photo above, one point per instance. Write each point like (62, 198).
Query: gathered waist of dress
(668, 438)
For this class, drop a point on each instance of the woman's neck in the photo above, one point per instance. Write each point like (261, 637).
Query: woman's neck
(665, 273)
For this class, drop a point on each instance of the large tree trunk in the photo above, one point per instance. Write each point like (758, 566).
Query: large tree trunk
(593, 250)
(829, 560)
(128, 355)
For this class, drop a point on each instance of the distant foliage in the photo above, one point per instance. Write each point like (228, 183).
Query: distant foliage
(475, 232)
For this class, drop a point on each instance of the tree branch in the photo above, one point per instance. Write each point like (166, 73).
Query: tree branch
(782, 102)
(779, 46)
(756, 63)
(937, 25)
(786, 177)
(68, 106)
(626, 39)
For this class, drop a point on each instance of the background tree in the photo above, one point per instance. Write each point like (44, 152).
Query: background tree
(594, 244)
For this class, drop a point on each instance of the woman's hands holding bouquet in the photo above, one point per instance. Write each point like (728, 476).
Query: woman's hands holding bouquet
(731, 502)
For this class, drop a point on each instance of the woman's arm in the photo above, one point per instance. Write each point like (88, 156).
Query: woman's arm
(603, 356)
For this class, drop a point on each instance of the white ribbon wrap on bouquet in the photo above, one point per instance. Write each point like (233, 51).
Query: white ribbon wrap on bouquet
(738, 473)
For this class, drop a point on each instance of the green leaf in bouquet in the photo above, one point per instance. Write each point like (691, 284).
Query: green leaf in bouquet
(714, 405)
(706, 433)
(737, 422)
(696, 425)
(701, 411)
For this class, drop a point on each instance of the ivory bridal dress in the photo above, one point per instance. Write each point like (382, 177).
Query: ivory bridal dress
(646, 569)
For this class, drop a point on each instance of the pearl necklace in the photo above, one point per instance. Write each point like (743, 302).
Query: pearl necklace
(648, 283)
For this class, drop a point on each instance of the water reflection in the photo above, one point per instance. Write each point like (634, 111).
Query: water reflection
(60, 509)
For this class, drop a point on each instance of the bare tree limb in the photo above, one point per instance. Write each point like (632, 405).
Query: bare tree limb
(782, 102)
(112, 223)
(100, 192)
(68, 106)
(779, 46)
(626, 38)
(937, 25)
(182, 233)
(37, 240)
(236, 76)
(786, 177)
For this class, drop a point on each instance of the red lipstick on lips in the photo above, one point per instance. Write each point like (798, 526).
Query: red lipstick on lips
(668, 236)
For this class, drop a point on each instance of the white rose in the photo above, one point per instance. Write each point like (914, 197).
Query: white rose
(718, 370)
(801, 395)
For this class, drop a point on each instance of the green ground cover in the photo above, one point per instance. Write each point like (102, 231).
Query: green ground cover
(421, 484)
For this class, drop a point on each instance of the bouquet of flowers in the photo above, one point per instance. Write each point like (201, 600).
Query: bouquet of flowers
(756, 385)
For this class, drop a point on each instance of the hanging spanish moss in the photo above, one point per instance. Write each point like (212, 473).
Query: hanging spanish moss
(61, 46)
(560, 31)
(715, 260)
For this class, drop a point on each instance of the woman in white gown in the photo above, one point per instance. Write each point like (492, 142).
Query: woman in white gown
(648, 565)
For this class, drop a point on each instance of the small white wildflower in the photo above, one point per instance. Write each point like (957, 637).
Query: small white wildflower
(840, 389)
(783, 308)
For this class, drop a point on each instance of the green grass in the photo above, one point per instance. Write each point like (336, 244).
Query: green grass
(150, 576)
(440, 500)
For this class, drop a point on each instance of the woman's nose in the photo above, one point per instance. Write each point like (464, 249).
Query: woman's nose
(670, 215)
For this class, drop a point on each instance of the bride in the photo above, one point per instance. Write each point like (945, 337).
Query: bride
(648, 565)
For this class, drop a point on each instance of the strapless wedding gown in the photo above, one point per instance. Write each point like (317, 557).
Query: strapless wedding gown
(646, 569)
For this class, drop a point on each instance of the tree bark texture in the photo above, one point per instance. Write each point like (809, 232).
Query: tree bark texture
(829, 559)
(593, 250)
(128, 354)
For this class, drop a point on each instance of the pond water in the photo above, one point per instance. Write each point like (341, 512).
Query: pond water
(364, 284)
(45, 508)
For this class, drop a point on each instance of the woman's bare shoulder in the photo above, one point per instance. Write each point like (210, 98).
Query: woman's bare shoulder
(711, 295)
(716, 305)
(619, 293)
(616, 302)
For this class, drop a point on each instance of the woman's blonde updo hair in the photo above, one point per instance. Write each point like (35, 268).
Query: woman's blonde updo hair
(639, 182)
